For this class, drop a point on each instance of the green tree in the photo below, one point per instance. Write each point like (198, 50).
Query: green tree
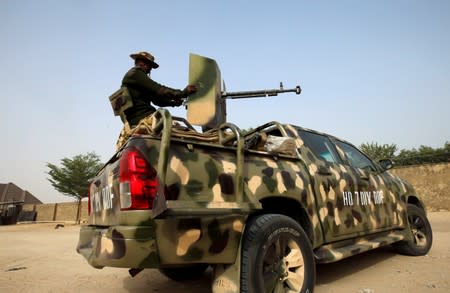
(377, 152)
(73, 176)
(424, 155)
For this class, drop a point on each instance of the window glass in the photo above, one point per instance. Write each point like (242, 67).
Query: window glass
(355, 157)
(320, 145)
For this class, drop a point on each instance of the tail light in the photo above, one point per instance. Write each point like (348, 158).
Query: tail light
(138, 181)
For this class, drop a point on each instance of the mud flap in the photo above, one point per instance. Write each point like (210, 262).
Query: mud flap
(227, 278)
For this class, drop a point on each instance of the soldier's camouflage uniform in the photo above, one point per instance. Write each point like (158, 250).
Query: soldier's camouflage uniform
(145, 91)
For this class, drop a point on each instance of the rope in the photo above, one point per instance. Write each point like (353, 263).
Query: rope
(146, 127)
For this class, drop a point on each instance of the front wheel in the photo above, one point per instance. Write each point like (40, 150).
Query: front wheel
(422, 235)
(276, 257)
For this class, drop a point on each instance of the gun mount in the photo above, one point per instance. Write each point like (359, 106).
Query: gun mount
(207, 107)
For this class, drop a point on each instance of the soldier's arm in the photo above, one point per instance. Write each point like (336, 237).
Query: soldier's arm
(166, 96)
(161, 95)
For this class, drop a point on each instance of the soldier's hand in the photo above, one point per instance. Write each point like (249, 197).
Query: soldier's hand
(190, 89)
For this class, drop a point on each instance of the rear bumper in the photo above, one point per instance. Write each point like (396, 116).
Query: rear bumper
(165, 242)
(119, 246)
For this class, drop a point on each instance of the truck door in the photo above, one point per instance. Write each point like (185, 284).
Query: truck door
(373, 195)
(335, 184)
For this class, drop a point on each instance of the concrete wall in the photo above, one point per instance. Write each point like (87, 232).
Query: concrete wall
(432, 183)
(45, 212)
(60, 212)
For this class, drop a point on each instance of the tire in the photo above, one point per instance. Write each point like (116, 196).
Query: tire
(276, 256)
(185, 273)
(421, 232)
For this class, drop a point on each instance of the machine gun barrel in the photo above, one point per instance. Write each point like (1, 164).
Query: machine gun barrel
(260, 93)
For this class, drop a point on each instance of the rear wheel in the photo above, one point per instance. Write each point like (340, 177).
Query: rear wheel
(421, 231)
(185, 273)
(276, 257)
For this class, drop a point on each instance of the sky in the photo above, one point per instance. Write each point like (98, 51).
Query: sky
(370, 71)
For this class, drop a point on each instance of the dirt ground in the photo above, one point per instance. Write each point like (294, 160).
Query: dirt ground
(40, 258)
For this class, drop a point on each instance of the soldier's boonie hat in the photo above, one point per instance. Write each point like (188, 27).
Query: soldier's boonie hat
(145, 56)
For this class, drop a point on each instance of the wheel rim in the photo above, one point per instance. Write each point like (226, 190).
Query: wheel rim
(418, 230)
(283, 266)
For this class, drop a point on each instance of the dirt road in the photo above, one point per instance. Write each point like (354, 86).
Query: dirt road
(40, 258)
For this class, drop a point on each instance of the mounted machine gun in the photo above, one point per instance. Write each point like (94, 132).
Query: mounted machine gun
(207, 107)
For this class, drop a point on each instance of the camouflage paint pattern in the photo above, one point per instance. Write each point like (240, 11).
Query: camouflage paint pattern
(206, 107)
(331, 180)
(119, 246)
(206, 208)
(334, 252)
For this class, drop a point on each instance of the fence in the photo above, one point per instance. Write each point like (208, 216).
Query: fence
(59, 212)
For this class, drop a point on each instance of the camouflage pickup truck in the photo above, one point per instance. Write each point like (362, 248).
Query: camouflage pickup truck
(260, 207)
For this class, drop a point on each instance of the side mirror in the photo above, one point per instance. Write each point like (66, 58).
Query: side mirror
(386, 164)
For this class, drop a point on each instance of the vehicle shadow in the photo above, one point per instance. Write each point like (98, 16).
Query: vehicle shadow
(153, 281)
(329, 273)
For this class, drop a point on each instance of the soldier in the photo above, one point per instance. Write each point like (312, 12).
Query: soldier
(145, 91)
